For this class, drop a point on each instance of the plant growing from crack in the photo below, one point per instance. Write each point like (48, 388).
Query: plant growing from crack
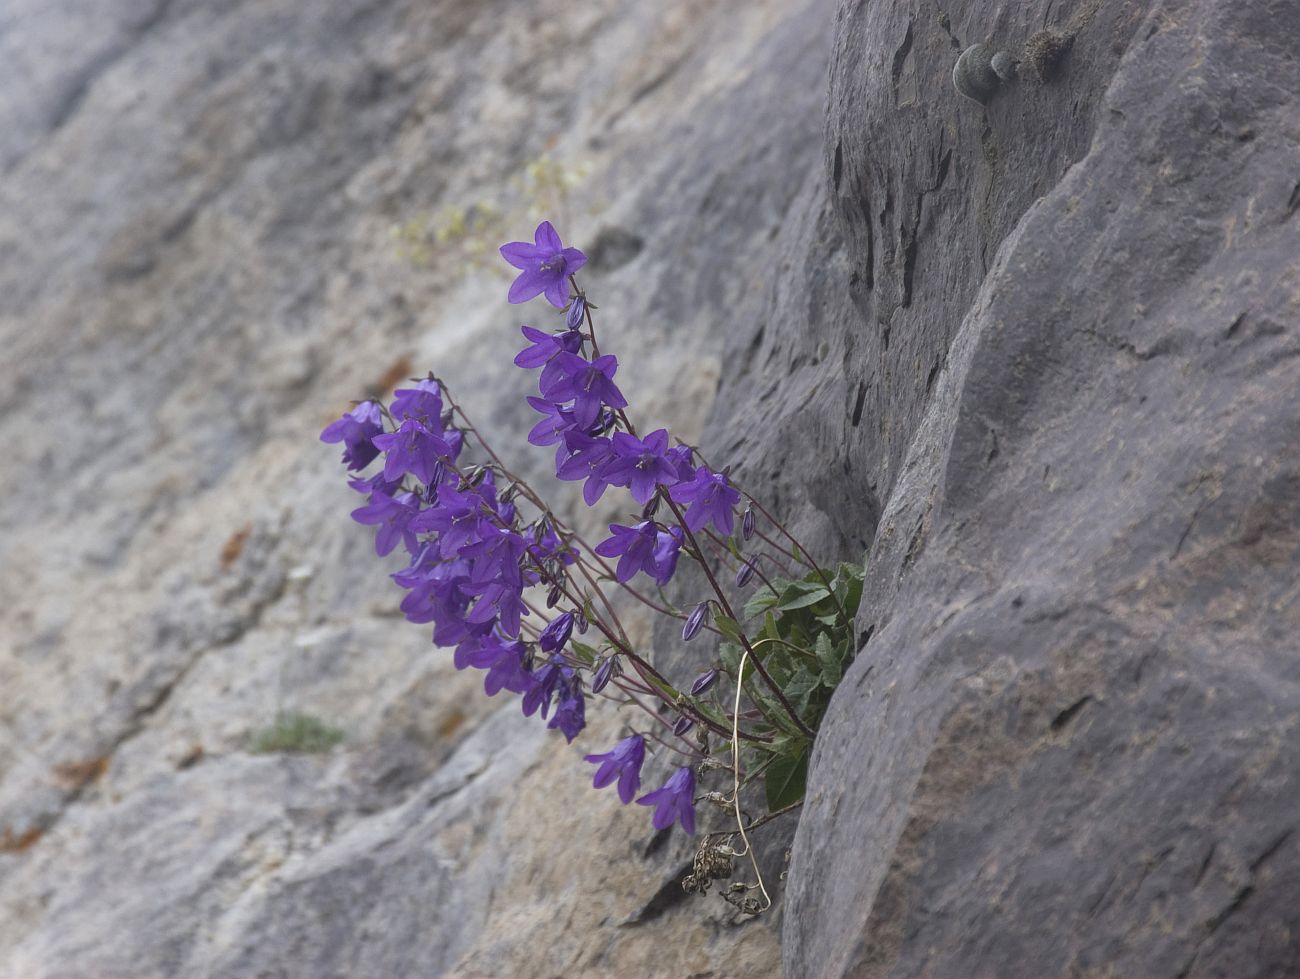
(524, 597)
(296, 733)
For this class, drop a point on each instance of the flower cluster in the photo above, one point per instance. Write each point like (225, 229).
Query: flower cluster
(473, 558)
(513, 592)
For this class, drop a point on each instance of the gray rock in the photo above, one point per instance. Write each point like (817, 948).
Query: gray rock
(197, 211)
(1046, 364)
(1037, 357)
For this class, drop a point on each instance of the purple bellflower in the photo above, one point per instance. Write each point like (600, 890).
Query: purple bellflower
(460, 519)
(588, 458)
(634, 547)
(668, 545)
(393, 515)
(551, 429)
(355, 430)
(622, 762)
(675, 801)
(588, 384)
(422, 402)
(570, 716)
(711, 497)
(546, 345)
(504, 662)
(546, 681)
(641, 465)
(412, 449)
(544, 266)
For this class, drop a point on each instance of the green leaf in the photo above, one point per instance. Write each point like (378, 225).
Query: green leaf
(585, 652)
(828, 659)
(800, 685)
(730, 656)
(804, 600)
(786, 779)
(760, 601)
(729, 627)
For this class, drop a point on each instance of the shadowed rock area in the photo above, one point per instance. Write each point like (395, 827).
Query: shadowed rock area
(1047, 363)
(1038, 359)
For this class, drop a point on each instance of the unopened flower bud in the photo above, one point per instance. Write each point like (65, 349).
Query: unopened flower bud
(603, 424)
(651, 508)
(747, 523)
(553, 596)
(556, 633)
(703, 682)
(576, 311)
(604, 673)
(580, 621)
(684, 724)
(744, 573)
(695, 621)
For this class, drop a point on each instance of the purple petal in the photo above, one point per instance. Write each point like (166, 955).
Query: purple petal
(547, 238)
(520, 254)
(530, 283)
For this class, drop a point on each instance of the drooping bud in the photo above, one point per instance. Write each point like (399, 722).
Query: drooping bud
(556, 633)
(684, 724)
(747, 523)
(604, 673)
(602, 424)
(576, 312)
(651, 508)
(744, 573)
(553, 596)
(695, 621)
(704, 682)
(580, 620)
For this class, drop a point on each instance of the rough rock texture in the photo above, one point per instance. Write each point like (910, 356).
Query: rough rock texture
(1038, 358)
(197, 203)
(1046, 363)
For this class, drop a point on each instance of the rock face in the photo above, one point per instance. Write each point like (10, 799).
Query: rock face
(1037, 358)
(196, 220)
(1047, 364)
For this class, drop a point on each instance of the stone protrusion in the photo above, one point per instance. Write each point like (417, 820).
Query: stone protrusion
(980, 71)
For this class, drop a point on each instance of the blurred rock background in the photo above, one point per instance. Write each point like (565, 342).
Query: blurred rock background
(1039, 357)
(218, 224)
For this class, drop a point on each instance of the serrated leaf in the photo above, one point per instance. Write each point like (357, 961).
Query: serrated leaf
(760, 601)
(786, 780)
(773, 711)
(828, 659)
(800, 685)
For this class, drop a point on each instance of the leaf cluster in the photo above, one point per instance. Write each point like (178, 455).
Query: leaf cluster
(801, 631)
